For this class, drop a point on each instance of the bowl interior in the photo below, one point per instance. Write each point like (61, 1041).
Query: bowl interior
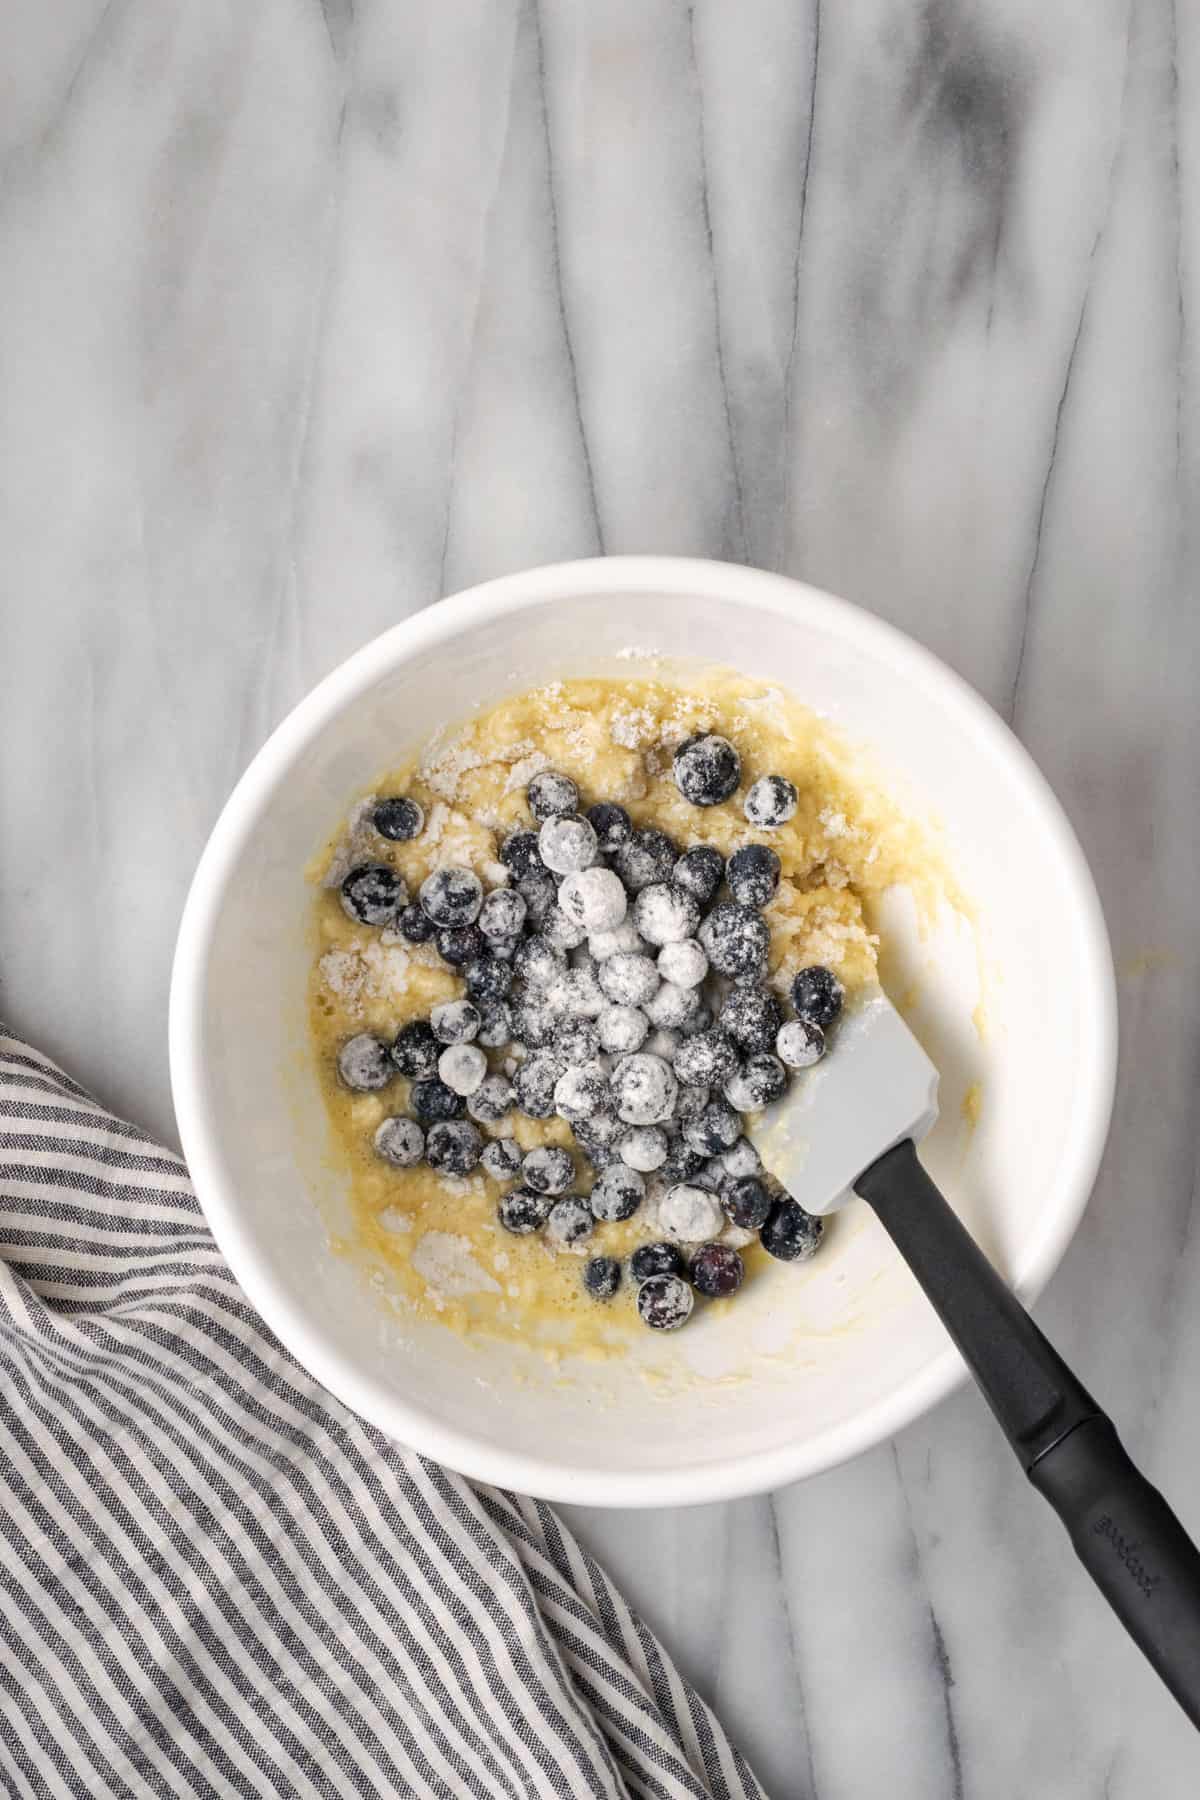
(815, 1364)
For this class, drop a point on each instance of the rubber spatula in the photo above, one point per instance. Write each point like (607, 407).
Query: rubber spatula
(853, 1124)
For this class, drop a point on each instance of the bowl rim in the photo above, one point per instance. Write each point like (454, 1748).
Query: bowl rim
(739, 1474)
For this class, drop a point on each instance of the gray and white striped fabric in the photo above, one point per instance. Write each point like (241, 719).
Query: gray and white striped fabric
(215, 1580)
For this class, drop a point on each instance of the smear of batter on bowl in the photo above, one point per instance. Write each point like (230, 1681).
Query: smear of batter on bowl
(564, 953)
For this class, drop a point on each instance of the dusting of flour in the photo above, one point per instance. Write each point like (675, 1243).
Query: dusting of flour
(444, 1262)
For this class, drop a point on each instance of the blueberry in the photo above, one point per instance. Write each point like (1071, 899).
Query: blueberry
(706, 768)
(753, 874)
(800, 1044)
(817, 995)
(617, 1193)
(581, 1090)
(760, 1080)
(567, 844)
(621, 940)
(548, 1169)
(534, 1084)
(612, 825)
(682, 1164)
(501, 1157)
(665, 913)
(701, 1020)
(594, 899)
(692, 1100)
(644, 1148)
(655, 1259)
(462, 1067)
(790, 1233)
(491, 1101)
(537, 962)
(700, 871)
(751, 1016)
(365, 1064)
(373, 894)
(662, 1042)
(600, 1157)
(502, 913)
(413, 924)
(771, 802)
(460, 944)
(453, 1147)
(540, 896)
(736, 938)
(584, 962)
(706, 1060)
(519, 854)
(628, 978)
(717, 1271)
(600, 1131)
(452, 897)
(488, 978)
(664, 1302)
(670, 1007)
(454, 1021)
(741, 1159)
(690, 1213)
(570, 1222)
(577, 1041)
(684, 964)
(495, 1025)
(535, 1022)
(747, 1202)
(577, 994)
(622, 1029)
(644, 1089)
(522, 1212)
(398, 819)
(433, 1102)
(648, 856)
(400, 1141)
(551, 794)
(602, 1276)
(559, 928)
(416, 1049)
(714, 1130)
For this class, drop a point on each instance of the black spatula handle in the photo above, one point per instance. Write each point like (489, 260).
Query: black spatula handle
(1123, 1531)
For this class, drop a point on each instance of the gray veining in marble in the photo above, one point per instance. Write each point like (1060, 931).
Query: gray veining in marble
(310, 313)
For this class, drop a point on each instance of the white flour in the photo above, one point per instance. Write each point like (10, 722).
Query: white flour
(444, 1262)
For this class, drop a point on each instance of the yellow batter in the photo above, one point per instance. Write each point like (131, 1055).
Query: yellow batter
(437, 1237)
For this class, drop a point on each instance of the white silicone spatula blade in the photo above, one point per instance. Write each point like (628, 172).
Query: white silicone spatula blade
(874, 1088)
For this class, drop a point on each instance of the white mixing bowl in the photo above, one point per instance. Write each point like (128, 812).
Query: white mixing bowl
(815, 1364)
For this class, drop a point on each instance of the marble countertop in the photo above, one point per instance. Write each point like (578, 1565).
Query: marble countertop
(313, 312)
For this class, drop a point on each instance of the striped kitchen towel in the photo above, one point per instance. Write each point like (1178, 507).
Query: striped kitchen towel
(218, 1581)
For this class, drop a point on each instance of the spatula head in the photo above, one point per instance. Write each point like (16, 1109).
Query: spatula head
(874, 1087)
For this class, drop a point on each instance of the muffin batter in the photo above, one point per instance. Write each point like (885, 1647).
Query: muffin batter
(435, 1234)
